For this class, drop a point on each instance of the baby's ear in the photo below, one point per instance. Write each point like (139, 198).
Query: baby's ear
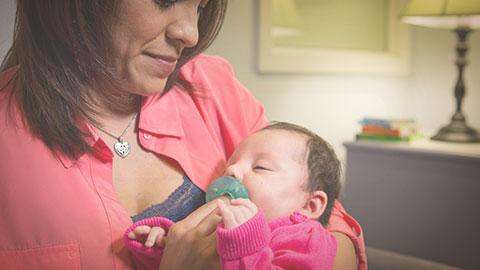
(315, 204)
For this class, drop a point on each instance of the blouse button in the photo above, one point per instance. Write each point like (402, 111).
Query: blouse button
(147, 136)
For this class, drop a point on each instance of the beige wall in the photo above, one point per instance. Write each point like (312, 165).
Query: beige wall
(7, 13)
(332, 104)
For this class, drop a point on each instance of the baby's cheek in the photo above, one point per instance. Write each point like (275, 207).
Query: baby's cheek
(265, 196)
(257, 197)
(271, 205)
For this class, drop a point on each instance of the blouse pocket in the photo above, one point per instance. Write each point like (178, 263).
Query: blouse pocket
(61, 257)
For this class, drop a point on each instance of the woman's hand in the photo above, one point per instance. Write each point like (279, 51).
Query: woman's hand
(191, 242)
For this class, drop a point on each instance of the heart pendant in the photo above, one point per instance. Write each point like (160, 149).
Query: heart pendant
(122, 148)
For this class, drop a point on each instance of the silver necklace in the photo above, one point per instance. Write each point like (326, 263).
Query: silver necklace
(121, 147)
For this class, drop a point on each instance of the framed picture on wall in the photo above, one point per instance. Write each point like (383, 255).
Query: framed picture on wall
(333, 36)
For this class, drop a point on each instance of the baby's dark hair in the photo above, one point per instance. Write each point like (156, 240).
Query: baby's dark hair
(323, 165)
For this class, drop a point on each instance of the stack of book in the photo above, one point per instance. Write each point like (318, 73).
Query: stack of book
(395, 130)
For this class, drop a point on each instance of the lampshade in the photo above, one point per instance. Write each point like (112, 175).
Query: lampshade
(462, 16)
(443, 13)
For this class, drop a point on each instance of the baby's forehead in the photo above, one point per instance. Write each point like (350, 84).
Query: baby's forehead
(283, 134)
(283, 141)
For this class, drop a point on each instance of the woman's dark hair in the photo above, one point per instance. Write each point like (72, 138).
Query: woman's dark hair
(323, 165)
(62, 50)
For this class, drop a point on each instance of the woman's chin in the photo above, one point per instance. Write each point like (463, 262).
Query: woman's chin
(150, 88)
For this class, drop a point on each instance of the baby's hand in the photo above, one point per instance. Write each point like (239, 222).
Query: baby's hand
(151, 235)
(238, 212)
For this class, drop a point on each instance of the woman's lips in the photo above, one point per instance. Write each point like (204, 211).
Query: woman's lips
(165, 64)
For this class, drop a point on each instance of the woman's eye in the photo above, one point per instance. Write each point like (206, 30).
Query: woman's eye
(165, 3)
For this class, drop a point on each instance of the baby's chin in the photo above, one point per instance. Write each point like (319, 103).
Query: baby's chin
(273, 216)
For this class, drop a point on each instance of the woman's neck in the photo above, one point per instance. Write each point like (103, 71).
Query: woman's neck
(115, 113)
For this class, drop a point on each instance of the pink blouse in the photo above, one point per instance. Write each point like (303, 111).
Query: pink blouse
(59, 213)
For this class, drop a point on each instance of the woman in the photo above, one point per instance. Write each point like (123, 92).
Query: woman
(100, 99)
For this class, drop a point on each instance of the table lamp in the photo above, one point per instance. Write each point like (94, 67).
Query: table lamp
(462, 16)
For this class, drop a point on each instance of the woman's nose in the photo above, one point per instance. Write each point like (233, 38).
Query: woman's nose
(184, 29)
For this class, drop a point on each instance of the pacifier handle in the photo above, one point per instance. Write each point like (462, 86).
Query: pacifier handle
(226, 186)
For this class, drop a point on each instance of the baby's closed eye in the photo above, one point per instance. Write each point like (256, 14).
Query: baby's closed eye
(262, 166)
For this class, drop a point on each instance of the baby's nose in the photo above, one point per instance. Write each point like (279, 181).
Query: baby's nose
(234, 171)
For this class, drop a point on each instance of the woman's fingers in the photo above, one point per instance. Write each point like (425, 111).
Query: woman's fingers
(192, 220)
(160, 241)
(208, 225)
(202, 221)
(197, 255)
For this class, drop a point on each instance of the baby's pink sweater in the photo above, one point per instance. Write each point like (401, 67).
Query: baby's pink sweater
(293, 242)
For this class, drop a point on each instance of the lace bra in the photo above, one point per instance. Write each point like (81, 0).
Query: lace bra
(183, 201)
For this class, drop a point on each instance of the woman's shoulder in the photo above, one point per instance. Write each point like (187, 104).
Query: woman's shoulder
(216, 87)
(206, 63)
(213, 76)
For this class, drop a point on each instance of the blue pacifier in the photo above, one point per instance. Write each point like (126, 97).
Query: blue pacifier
(226, 185)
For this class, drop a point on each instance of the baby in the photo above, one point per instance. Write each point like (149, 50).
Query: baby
(292, 176)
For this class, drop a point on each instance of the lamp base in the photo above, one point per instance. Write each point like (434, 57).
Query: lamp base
(457, 131)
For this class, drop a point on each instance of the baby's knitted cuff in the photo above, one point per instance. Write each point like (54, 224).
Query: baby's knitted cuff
(246, 239)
